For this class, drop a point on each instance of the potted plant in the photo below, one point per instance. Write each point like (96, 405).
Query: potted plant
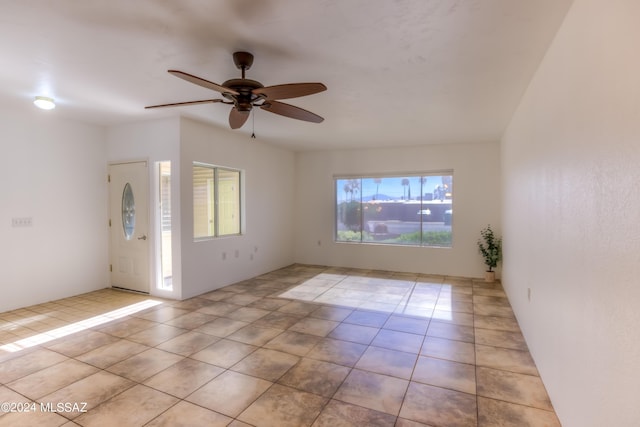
(490, 247)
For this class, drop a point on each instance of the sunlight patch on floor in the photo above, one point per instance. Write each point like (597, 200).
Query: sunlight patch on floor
(404, 297)
(78, 326)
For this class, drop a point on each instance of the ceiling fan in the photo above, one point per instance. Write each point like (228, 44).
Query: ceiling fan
(244, 94)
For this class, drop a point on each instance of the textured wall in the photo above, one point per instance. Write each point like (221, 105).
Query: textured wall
(54, 172)
(570, 219)
(476, 203)
(267, 241)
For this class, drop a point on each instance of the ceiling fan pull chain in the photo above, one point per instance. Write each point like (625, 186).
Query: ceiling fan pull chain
(253, 124)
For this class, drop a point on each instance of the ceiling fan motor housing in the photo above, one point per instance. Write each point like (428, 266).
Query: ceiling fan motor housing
(244, 101)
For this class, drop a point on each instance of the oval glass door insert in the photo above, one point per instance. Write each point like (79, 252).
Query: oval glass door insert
(128, 212)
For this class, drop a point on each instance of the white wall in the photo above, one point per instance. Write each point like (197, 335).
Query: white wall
(476, 177)
(155, 141)
(53, 171)
(571, 227)
(267, 243)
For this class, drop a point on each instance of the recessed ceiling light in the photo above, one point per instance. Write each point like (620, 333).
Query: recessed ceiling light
(44, 102)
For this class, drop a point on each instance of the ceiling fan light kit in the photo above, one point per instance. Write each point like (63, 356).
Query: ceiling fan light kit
(244, 94)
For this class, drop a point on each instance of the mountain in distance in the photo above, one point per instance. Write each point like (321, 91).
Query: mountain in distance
(377, 197)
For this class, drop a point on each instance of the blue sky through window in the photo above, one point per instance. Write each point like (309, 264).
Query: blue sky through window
(388, 188)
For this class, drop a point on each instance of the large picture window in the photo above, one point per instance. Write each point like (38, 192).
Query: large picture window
(398, 210)
(216, 201)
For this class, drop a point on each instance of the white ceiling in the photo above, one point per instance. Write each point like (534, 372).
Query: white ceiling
(403, 72)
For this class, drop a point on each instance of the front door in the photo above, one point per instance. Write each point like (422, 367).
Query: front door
(129, 221)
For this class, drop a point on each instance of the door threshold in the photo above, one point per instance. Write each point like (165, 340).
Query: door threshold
(130, 290)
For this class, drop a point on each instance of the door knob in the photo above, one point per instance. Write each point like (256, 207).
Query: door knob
(144, 237)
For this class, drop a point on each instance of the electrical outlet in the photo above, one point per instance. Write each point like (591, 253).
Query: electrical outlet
(22, 222)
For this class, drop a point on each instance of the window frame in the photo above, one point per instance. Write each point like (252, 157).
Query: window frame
(363, 229)
(216, 234)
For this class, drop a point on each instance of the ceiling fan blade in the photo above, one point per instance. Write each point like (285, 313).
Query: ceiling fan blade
(237, 118)
(177, 104)
(202, 82)
(291, 111)
(291, 90)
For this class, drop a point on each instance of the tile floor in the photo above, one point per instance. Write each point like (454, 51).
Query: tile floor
(300, 346)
